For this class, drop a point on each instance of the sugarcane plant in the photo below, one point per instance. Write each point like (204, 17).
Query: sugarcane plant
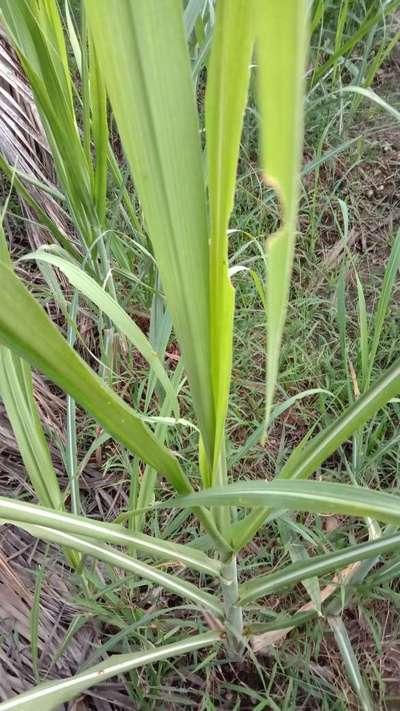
(135, 52)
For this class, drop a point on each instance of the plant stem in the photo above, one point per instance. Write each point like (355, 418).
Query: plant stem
(221, 514)
(233, 613)
(229, 579)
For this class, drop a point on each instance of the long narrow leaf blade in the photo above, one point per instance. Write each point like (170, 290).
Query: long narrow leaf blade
(16, 391)
(51, 695)
(26, 329)
(17, 394)
(308, 456)
(391, 272)
(20, 512)
(173, 583)
(318, 565)
(281, 44)
(144, 57)
(310, 496)
(305, 460)
(227, 84)
(351, 663)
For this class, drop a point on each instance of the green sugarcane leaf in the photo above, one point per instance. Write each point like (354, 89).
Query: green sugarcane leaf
(315, 566)
(173, 583)
(49, 696)
(24, 514)
(310, 496)
(35, 29)
(226, 95)
(281, 44)
(26, 329)
(305, 460)
(146, 68)
(18, 179)
(16, 391)
(309, 455)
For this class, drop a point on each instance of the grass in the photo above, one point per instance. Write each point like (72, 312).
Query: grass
(306, 670)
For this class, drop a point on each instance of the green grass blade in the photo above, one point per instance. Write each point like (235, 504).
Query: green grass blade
(145, 496)
(382, 53)
(227, 85)
(340, 25)
(71, 445)
(301, 464)
(298, 552)
(281, 45)
(363, 331)
(391, 271)
(73, 36)
(26, 329)
(23, 513)
(34, 623)
(85, 91)
(310, 496)
(316, 566)
(145, 63)
(341, 318)
(351, 664)
(51, 695)
(108, 305)
(17, 395)
(277, 411)
(307, 457)
(369, 94)
(369, 22)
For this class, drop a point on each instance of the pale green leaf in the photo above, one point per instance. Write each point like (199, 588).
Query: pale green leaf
(292, 574)
(49, 696)
(22, 513)
(363, 328)
(226, 95)
(35, 29)
(16, 391)
(372, 96)
(145, 63)
(281, 43)
(303, 464)
(308, 455)
(298, 552)
(310, 496)
(173, 583)
(26, 329)
(17, 394)
(391, 272)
